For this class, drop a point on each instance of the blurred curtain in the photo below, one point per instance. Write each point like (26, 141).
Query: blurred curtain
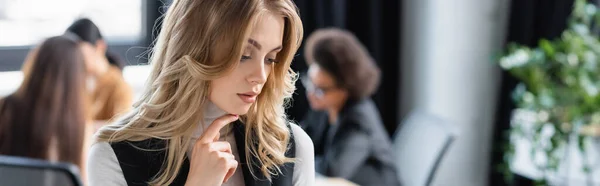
(530, 21)
(376, 23)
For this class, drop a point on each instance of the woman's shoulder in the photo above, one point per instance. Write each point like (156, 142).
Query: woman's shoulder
(103, 166)
(112, 151)
(101, 153)
(362, 108)
(116, 159)
(363, 115)
(304, 169)
(301, 138)
(303, 143)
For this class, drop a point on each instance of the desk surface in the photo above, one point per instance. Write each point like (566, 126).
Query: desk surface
(325, 181)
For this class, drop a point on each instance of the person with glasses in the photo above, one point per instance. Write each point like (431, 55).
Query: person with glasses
(345, 126)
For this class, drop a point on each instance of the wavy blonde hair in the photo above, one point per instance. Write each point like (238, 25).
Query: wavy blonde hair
(201, 40)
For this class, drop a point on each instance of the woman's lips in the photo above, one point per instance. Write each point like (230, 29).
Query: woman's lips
(248, 98)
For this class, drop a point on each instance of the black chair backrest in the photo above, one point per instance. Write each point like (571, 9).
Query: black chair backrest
(27, 171)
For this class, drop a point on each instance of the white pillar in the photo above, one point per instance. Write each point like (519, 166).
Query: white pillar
(447, 69)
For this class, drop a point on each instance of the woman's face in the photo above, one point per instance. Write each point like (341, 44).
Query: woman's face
(322, 91)
(92, 55)
(238, 90)
(89, 54)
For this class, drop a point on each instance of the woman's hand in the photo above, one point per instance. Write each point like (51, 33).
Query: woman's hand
(212, 162)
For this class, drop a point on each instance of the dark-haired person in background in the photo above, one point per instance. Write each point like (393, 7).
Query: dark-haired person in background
(345, 126)
(110, 94)
(46, 116)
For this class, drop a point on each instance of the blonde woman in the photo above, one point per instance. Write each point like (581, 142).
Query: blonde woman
(213, 111)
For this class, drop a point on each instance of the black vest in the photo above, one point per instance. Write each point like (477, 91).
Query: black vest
(141, 166)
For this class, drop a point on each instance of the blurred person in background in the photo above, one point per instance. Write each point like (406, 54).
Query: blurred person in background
(110, 94)
(349, 137)
(46, 116)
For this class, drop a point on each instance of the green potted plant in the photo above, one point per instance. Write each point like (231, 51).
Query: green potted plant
(558, 97)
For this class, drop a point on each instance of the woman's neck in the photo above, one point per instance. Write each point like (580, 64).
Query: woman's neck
(333, 114)
(211, 113)
(334, 111)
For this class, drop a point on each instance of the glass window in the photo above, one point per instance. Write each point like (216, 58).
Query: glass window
(27, 22)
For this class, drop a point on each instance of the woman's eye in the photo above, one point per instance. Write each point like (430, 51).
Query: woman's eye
(244, 58)
(271, 60)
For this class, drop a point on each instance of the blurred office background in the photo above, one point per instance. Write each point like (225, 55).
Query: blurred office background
(436, 57)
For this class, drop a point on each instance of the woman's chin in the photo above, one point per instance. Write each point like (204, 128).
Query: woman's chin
(242, 110)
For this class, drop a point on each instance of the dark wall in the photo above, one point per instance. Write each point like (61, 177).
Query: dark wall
(376, 23)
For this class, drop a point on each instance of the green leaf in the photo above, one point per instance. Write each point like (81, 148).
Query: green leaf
(553, 163)
(547, 47)
(586, 169)
(542, 182)
(555, 141)
(581, 143)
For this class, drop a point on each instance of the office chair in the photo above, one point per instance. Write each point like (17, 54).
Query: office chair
(420, 143)
(19, 171)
